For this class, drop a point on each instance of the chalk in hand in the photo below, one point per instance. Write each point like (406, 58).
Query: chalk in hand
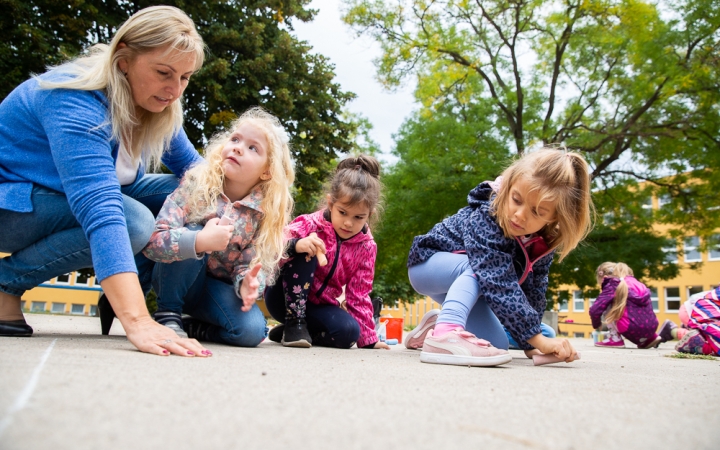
(225, 220)
(322, 259)
(541, 360)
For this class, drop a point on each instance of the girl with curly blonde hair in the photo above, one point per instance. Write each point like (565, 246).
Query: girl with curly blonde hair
(219, 237)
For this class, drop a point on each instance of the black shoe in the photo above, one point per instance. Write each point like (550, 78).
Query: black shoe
(276, 333)
(171, 320)
(296, 334)
(15, 328)
(106, 313)
(197, 329)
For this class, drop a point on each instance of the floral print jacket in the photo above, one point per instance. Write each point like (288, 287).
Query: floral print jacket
(351, 263)
(174, 236)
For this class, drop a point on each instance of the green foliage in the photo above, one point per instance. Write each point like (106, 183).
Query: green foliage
(252, 59)
(633, 85)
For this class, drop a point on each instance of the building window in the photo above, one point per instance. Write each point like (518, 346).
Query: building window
(654, 299)
(22, 305)
(93, 310)
(64, 279)
(664, 200)
(82, 278)
(563, 297)
(670, 250)
(579, 334)
(77, 309)
(578, 301)
(692, 254)
(58, 308)
(672, 299)
(714, 247)
(647, 206)
(692, 290)
(37, 307)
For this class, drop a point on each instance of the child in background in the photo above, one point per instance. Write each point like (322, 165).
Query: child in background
(627, 307)
(219, 235)
(488, 264)
(701, 314)
(305, 301)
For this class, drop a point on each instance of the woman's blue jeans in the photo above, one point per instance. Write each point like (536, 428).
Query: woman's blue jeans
(449, 280)
(185, 287)
(49, 241)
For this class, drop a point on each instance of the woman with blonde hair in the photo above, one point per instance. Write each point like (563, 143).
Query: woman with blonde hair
(219, 237)
(625, 303)
(74, 146)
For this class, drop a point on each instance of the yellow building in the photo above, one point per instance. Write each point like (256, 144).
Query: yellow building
(72, 293)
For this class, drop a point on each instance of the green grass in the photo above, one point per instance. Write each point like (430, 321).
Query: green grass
(691, 356)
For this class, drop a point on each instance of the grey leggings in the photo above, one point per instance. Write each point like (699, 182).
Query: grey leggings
(448, 279)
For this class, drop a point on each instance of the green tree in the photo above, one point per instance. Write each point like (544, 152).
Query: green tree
(252, 59)
(631, 84)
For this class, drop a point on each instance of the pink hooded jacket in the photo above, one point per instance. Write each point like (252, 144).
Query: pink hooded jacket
(351, 263)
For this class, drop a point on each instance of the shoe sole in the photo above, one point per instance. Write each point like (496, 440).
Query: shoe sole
(302, 343)
(654, 344)
(422, 328)
(459, 360)
(597, 344)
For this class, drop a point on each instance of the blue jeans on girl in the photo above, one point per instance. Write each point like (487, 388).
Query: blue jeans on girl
(185, 287)
(49, 241)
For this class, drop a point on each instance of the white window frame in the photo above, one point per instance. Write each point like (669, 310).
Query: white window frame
(71, 279)
(714, 249)
(691, 244)
(33, 304)
(673, 298)
(54, 310)
(654, 299)
(89, 281)
(579, 335)
(93, 310)
(82, 309)
(672, 250)
(563, 307)
(577, 299)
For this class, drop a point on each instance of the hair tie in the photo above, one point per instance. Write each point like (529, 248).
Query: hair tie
(358, 167)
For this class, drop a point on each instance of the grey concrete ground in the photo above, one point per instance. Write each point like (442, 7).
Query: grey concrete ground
(68, 387)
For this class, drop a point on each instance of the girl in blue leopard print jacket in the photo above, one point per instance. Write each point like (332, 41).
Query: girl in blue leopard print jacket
(488, 264)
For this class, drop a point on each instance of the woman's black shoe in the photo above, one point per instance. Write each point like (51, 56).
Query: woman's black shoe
(276, 333)
(15, 328)
(295, 334)
(106, 314)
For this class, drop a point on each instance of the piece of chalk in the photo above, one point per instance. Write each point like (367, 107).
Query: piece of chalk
(541, 360)
(225, 220)
(322, 259)
(391, 341)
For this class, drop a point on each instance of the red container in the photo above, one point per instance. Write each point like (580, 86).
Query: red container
(393, 328)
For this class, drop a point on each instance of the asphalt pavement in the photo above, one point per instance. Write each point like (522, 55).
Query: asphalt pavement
(68, 387)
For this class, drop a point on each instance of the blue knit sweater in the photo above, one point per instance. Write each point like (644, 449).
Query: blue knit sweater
(61, 139)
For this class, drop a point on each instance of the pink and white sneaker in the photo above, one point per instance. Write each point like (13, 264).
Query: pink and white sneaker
(414, 339)
(611, 343)
(461, 348)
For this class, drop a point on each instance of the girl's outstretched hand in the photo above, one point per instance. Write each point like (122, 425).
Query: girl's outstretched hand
(249, 288)
(312, 245)
(382, 345)
(559, 347)
(213, 237)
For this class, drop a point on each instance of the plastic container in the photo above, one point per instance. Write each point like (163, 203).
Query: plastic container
(381, 330)
(394, 328)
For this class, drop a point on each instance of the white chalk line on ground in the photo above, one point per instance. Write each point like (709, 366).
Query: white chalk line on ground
(27, 392)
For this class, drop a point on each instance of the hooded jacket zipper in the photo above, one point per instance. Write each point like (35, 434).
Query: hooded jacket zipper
(320, 291)
(528, 263)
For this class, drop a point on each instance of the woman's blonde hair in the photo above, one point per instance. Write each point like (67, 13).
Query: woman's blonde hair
(205, 185)
(557, 176)
(615, 270)
(357, 181)
(145, 31)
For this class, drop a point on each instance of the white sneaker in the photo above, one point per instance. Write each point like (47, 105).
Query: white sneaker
(462, 348)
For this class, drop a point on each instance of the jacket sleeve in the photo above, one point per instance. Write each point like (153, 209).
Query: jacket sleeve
(357, 294)
(173, 238)
(490, 256)
(81, 145)
(536, 285)
(603, 301)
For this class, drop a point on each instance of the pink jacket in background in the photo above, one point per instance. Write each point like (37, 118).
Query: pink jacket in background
(351, 263)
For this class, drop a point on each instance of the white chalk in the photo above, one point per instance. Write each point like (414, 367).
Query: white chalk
(225, 220)
(541, 360)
